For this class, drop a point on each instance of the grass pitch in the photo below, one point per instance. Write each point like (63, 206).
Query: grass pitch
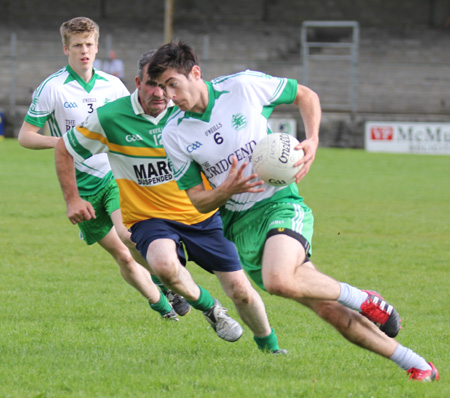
(71, 327)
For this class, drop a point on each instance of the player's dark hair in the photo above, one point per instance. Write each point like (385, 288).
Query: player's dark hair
(144, 60)
(176, 55)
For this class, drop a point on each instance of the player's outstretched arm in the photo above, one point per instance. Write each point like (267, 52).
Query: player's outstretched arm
(78, 210)
(30, 138)
(308, 103)
(209, 200)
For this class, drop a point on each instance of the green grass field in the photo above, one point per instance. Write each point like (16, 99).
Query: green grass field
(71, 327)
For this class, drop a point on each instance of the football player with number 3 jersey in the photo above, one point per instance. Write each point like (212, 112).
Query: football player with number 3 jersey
(62, 101)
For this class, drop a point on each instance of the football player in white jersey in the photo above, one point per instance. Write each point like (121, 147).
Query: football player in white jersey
(214, 132)
(62, 101)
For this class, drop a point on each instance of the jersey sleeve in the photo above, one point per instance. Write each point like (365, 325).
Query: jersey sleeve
(86, 139)
(187, 173)
(117, 87)
(42, 106)
(262, 89)
(123, 91)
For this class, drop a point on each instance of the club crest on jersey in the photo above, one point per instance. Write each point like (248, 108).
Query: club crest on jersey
(238, 121)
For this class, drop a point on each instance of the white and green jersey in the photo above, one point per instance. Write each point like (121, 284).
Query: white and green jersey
(235, 120)
(63, 100)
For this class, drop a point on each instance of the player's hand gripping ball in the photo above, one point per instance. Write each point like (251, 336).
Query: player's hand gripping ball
(274, 157)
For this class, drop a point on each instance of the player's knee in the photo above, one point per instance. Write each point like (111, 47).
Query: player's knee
(124, 259)
(279, 287)
(166, 270)
(240, 294)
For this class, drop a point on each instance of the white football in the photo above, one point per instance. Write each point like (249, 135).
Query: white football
(274, 157)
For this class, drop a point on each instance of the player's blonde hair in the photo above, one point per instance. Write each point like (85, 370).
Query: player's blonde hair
(78, 25)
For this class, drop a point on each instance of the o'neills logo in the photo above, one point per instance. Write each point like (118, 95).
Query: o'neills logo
(285, 149)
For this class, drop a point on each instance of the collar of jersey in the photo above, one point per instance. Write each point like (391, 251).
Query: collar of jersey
(138, 110)
(87, 86)
(212, 96)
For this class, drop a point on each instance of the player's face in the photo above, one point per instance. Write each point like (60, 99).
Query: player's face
(184, 90)
(152, 97)
(81, 51)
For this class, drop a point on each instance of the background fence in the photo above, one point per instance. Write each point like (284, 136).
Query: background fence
(403, 57)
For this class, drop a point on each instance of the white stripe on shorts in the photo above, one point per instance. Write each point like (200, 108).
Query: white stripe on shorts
(297, 222)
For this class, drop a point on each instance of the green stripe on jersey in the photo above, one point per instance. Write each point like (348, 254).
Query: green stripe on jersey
(53, 126)
(43, 84)
(80, 149)
(191, 178)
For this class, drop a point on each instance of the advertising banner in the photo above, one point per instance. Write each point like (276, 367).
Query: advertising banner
(403, 137)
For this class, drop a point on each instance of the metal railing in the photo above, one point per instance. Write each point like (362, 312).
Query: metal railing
(333, 51)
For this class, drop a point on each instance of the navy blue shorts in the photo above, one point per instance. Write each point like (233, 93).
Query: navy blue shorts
(204, 242)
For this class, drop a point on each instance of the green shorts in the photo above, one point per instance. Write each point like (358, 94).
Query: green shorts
(249, 233)
(104, 202)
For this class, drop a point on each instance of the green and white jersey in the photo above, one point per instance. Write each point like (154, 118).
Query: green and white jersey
(63, 100)
(132, 141)
(235, 120)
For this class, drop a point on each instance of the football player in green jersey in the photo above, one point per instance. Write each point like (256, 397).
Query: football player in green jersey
(215, 131)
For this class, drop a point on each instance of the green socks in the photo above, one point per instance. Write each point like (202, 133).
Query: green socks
(162, 306)
(204, 302)
(158, 283)
(268, 343)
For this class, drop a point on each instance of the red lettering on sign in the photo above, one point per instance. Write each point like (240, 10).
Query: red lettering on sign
(385, 133)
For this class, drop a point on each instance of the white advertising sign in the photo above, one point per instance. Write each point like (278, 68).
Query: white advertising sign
(403, 137)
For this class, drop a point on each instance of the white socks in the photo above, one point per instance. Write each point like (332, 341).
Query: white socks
(404, 357)
(407, 359)
(351, 297)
